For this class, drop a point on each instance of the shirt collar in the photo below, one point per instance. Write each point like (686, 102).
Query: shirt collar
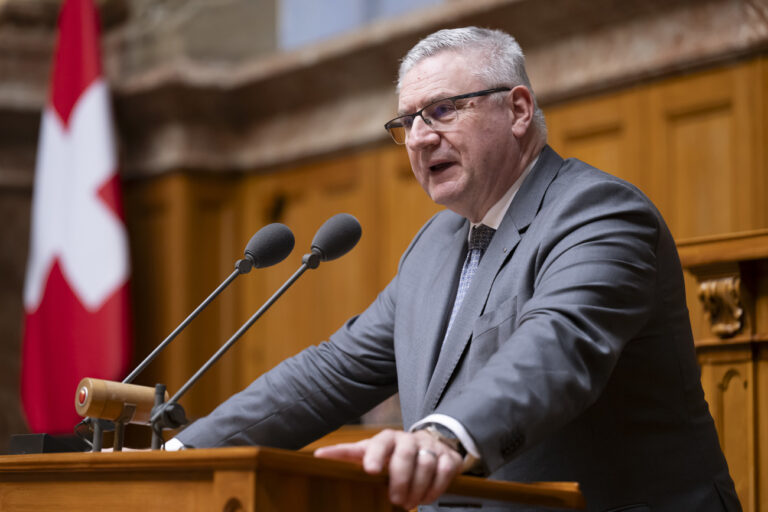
(496, 213)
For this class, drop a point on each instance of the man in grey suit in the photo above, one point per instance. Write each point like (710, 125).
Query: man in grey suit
(536, 330)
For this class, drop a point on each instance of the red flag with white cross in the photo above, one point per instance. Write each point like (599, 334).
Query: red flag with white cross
(76, 300)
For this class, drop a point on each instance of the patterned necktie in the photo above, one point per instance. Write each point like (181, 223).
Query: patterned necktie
(479, 239)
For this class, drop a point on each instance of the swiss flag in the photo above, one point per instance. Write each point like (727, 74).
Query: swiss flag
(77, 321)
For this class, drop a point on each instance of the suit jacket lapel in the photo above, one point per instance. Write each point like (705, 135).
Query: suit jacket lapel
(458, 337)
(521, 213)
(433, 309)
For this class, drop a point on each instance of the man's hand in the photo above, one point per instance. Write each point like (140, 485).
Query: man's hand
(420, 467)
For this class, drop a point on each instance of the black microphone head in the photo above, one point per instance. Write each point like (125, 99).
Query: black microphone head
(270, 245)
(336, 237)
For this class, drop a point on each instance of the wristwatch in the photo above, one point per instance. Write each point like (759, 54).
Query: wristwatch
(445, 436)
(448, 438)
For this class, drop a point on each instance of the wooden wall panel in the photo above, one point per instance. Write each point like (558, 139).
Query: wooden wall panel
(761, 436)
(704, 152)
(760, 180)
(728, 377)
(692, 143)
(606, 132)
(213, 245)
(155, 212)
(259, 204)
(185, 240)
(322, 299)
(761, 452)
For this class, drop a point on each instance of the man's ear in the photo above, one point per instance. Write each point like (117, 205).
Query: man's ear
(520, 102)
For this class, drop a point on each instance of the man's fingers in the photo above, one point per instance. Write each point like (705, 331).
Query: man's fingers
(431, 475)
(402, 467)
(423, 477)
(352, 452)
(379, 450)
(448, 466)
(420, 468)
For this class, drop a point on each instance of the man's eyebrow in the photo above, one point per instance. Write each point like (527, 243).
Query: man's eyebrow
(430, 100)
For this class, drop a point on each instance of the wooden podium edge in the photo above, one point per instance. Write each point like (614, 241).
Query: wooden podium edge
(565, 495)
(557, 494)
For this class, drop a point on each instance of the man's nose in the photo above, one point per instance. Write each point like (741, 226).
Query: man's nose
(421, 134)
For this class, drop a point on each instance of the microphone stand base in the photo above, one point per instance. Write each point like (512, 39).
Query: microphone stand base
(22, 444)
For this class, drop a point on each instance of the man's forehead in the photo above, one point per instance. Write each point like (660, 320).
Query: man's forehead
(445, 74)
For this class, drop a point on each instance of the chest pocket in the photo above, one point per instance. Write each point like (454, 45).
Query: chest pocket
(489, 331)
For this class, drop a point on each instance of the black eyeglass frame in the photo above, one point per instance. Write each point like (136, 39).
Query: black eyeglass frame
(389, 124)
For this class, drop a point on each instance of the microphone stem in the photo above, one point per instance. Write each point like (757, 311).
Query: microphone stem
(175, 398)
(151, 357)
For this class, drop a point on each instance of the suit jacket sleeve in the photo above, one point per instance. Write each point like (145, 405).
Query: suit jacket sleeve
(314, 392)
(310, 394)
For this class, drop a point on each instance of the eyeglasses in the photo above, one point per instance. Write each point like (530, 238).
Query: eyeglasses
(436, 115)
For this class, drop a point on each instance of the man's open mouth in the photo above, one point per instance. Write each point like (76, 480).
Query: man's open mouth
(441, 166)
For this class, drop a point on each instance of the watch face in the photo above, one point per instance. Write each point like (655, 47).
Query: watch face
(445, 432)
(447, 437)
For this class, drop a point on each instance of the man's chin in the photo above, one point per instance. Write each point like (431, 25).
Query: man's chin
(445, 198)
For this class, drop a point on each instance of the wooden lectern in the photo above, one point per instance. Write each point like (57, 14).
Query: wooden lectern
(228, 480)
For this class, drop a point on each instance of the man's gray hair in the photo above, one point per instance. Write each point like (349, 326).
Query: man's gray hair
(503, 62)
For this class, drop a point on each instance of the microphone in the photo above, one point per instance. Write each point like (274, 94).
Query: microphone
(115, 401)
(268, 246)
(336, 237)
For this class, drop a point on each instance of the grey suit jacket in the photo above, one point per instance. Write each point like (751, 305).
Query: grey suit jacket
(571, 357)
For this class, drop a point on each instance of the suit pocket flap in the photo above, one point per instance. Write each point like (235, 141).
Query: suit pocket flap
(504, 312)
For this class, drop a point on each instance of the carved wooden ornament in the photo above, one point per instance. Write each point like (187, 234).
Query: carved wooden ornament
(722, 305)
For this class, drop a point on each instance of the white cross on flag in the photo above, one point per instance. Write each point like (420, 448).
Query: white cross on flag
(76, 291)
